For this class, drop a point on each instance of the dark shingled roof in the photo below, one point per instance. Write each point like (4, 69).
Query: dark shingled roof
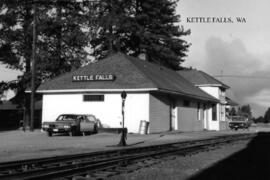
(198, 78)
(131, 73)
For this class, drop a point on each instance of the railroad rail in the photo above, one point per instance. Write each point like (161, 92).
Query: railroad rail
(99, 165)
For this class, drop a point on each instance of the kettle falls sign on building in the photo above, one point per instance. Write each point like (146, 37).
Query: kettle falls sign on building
(96, 77)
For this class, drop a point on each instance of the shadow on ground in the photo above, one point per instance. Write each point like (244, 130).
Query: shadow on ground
(3, 129)
(251, 163)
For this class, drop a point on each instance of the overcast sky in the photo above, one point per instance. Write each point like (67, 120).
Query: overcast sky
(240, 49)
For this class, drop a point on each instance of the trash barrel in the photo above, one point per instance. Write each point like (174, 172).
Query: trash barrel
(143, 129)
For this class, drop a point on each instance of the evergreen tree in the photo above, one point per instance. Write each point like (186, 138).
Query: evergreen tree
(232, 111)
(259, 119)
(137, 27)
(16, 40)
(245, 110)
(2, 89)
(60, 39)
(60, 36)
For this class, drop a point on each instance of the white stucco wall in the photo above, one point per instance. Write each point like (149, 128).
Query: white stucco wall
(137, 109)
(213, 124)
(215, 92)
(108, 111)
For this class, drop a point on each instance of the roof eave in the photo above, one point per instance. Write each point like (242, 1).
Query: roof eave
(190, 95)
(93, 90)
(212, 85)
(127, 90)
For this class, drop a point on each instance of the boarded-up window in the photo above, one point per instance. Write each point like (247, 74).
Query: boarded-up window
(198, 111)
(214, 113)
(200, 114)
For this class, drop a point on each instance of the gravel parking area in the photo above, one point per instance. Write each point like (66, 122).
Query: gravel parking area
(19, 145)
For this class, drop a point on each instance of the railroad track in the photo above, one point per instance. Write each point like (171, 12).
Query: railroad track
(99, 165)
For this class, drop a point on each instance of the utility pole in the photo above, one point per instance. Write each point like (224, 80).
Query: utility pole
(33, 88)
(221, 75)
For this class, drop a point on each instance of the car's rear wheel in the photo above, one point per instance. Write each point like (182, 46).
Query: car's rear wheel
(95, 129)
(49, 133)
(72, 132)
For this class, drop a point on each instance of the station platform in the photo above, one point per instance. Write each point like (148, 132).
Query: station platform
(19, 145)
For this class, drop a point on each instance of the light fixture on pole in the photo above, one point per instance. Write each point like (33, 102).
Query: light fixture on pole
(123, 133)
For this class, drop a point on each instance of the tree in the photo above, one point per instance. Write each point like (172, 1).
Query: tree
(2, 89)
(245, 110)
(15, 35)
(267, 116)
(16, 40)
(4, 86)
(232, 111)
(137, 27)
(60, 39)
(259, 119)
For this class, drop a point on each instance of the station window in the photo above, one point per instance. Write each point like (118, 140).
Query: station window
(90, 98)
(200, 111)
(203, 111)
(222, 113)
(214, 113)
(186, 103)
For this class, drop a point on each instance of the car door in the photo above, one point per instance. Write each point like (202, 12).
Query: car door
(86, 125)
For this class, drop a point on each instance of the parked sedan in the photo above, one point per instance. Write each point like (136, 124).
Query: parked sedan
(72, 124)
(239, 122)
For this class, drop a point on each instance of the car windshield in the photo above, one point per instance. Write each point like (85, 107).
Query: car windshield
(91, 118)
(67, 117)
(238, 118)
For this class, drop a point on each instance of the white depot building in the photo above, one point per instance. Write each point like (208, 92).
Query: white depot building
(155, 94)
(214, 88)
